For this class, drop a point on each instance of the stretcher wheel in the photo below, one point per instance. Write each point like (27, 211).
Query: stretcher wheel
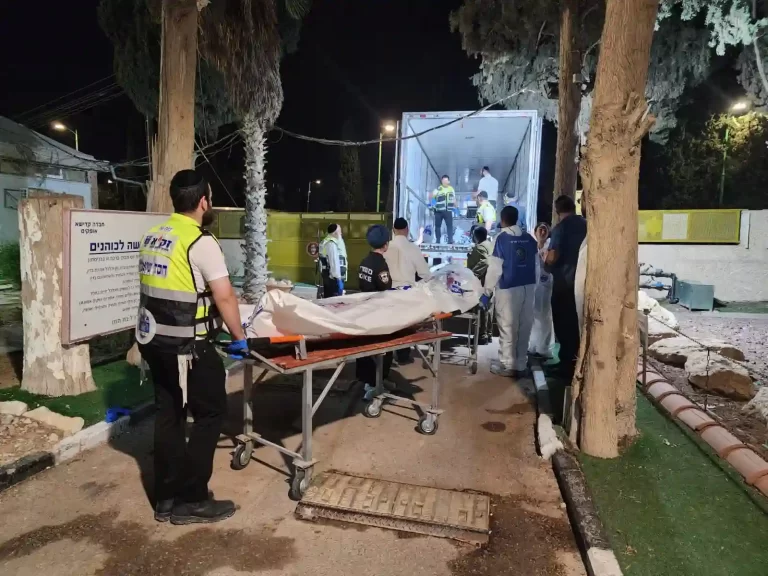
(428, 425)
(473, 367)
(299, 484)
(241, 456)
(372, 409)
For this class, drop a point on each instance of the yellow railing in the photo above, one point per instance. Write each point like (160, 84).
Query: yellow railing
(290, 233)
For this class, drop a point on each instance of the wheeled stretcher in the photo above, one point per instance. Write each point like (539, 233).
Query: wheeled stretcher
(296, 354)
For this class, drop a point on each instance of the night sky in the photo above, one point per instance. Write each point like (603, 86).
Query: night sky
(357, 62)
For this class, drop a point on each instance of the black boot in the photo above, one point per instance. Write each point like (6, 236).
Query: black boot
(206, 512)
(163, 510)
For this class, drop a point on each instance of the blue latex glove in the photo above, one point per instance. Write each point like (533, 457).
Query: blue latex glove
(340, 284)
(485, 300)
(433, 202)
(237, 349)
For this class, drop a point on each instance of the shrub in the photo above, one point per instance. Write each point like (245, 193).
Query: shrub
(10, 263)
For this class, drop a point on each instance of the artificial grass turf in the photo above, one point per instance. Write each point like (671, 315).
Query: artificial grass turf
(669, 510)
(117, 385)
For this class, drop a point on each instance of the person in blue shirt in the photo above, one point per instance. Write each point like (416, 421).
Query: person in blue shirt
(561, 259)
(511, 278)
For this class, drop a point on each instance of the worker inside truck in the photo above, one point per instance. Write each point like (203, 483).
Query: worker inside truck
(486, 213)
(443, 203)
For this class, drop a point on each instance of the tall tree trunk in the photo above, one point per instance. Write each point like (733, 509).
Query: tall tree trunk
(254, 136)
(176, 117)
(173, 147)
(568, 104)
(50, 368)
(610, 172)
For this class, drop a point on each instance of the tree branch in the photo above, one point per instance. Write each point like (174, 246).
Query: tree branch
(541, 31)
(758, 57)
(584, 59)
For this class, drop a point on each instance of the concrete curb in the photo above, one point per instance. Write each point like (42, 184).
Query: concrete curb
(68, 448)
(595, 548)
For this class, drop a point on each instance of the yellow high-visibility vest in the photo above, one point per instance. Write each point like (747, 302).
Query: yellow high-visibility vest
(173, 311)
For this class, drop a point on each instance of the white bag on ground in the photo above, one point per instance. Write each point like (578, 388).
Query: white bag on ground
(452, 288)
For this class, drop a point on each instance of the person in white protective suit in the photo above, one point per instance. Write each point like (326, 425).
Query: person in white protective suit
(511, 278)
(542, 336)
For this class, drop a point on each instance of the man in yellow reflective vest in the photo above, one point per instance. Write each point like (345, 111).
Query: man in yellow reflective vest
(443, 203)
(333, 262)
(486, 213)
(185, 296)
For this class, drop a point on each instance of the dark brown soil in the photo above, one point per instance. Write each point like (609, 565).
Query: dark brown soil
(522, 543)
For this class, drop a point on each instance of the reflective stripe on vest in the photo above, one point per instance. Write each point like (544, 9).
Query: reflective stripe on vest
(341, 248)
(173, 311)
(518, 255)
(445, 198)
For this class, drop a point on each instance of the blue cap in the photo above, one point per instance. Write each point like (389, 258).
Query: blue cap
(377, 236)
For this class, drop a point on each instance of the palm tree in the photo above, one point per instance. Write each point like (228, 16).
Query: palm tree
(245, 40)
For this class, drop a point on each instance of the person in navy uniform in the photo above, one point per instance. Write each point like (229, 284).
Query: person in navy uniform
(373, 276)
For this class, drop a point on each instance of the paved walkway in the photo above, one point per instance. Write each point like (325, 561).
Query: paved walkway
(92, 517)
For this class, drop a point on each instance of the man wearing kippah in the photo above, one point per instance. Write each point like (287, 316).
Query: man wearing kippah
(373, 275)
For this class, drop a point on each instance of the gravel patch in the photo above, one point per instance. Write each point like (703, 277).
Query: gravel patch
(750, 335)
(20, 436)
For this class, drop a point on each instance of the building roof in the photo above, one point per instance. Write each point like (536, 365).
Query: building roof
(17, 142)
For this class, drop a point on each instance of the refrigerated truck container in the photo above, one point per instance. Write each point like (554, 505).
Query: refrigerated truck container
(507, 141)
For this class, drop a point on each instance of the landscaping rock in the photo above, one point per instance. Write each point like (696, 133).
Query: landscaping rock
(675, 351)
(656, 310)
(66, 424)
(657, 331)
(721, 376)
(53, 437)
(13, 407)
(758, 406)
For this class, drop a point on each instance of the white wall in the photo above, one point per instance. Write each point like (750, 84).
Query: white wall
(738, 272)
(9, 218)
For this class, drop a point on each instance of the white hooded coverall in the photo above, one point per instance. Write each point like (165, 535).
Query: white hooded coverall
(542, 336)
(511, 277)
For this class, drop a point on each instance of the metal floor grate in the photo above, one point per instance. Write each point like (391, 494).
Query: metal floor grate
(451, 514)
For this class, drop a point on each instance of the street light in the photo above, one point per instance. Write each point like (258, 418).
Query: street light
(61, 128)
(309, 189)
(386, 127)
(739, 107)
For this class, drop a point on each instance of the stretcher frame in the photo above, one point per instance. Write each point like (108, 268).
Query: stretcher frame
(473, 337)
(303, 363)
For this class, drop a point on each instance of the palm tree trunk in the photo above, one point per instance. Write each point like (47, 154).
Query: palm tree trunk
(254, 135)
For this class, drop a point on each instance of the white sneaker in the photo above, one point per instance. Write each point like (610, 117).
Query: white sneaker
(499, 369)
